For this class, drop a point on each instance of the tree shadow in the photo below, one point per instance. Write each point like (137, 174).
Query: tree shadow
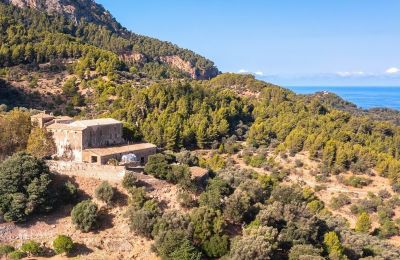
(104, 220)
(79, 250)
(120, 198)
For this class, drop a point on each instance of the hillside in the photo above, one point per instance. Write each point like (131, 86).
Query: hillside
(86, 22)
(286, 176)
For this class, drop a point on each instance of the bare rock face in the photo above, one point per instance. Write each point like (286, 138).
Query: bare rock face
(133, 57)
(195, 73)
(73, 9)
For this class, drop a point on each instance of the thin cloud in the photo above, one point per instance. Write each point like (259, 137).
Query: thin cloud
(393, 70)
(259, 73)
(243, 71)
(350, 73)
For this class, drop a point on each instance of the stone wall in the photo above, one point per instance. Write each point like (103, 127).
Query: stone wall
(100, 172)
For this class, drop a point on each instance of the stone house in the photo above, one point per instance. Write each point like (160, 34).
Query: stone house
(92, 141)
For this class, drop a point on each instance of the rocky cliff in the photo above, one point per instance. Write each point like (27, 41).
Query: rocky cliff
(76, 10)
(145, 48)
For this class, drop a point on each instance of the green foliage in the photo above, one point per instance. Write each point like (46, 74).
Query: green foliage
(84, 215)
(141, 221)
(24, 187)
(32, 248)
(6, 249)
(137, 197)
(186, 200)
(363, 224)
(298, 252)
(340, 200)
(105, 192)
(16, 255)
(388, 229)
(15, 127)
(256, 243)
(206, 223)
(217, 246)
(129, 180)
(63, 244)
(174, 244)
(357, 181)
(332, 244)
(69, 192)
(41, 143)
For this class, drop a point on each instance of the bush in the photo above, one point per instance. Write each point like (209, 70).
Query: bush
(129, 181)
(6, 249)
(357, 181)
(388, 229)
(174, 244)
(141, 221)
(16, 255)
(137, 197)
(24, 187)
(255, 243)
(217, 246)
(84, 215)
(299, 251)
(63, 244)
(363, 224)
(332, 244)
(104, 192)
(31, 248)
(340, 201)
(186, 200)
(69, 192)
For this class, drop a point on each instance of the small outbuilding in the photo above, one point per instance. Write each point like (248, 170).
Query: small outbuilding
(102, 156)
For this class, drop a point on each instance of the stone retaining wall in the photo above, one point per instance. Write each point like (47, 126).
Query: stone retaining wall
(101, 172)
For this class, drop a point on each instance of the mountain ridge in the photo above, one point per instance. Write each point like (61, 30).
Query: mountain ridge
(126, 44)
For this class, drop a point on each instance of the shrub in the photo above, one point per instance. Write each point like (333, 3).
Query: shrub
(332, 244)
(137, 197)
(104, 192)
(186, 200)
(299, 251)
(216, 246)
(206, 223)
(6, 249)
(363, 224)
(24, 185)
(315, 206)
(69, 192)
(357, 181)
(340, 201)
(298, 163)
(141, 221)
(388, 229)
(31, 248)
(255, 243)
(174, 244)
(129, 180)
(16, 255)
(63, 244)
(84, 215)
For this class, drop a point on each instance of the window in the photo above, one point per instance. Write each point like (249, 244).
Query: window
(141, 160)
(93, 159)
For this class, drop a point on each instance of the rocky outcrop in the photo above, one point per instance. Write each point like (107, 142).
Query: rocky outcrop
(133, 57)
(185, 66)
(76, 10)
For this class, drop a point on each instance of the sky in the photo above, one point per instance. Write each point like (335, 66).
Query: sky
(288, 42)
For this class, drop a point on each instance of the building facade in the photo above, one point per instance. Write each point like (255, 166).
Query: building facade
(93, 141)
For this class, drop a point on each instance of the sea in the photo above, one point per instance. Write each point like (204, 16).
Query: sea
(363, 97)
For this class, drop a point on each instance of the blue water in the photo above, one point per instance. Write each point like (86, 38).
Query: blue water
(364, 97)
